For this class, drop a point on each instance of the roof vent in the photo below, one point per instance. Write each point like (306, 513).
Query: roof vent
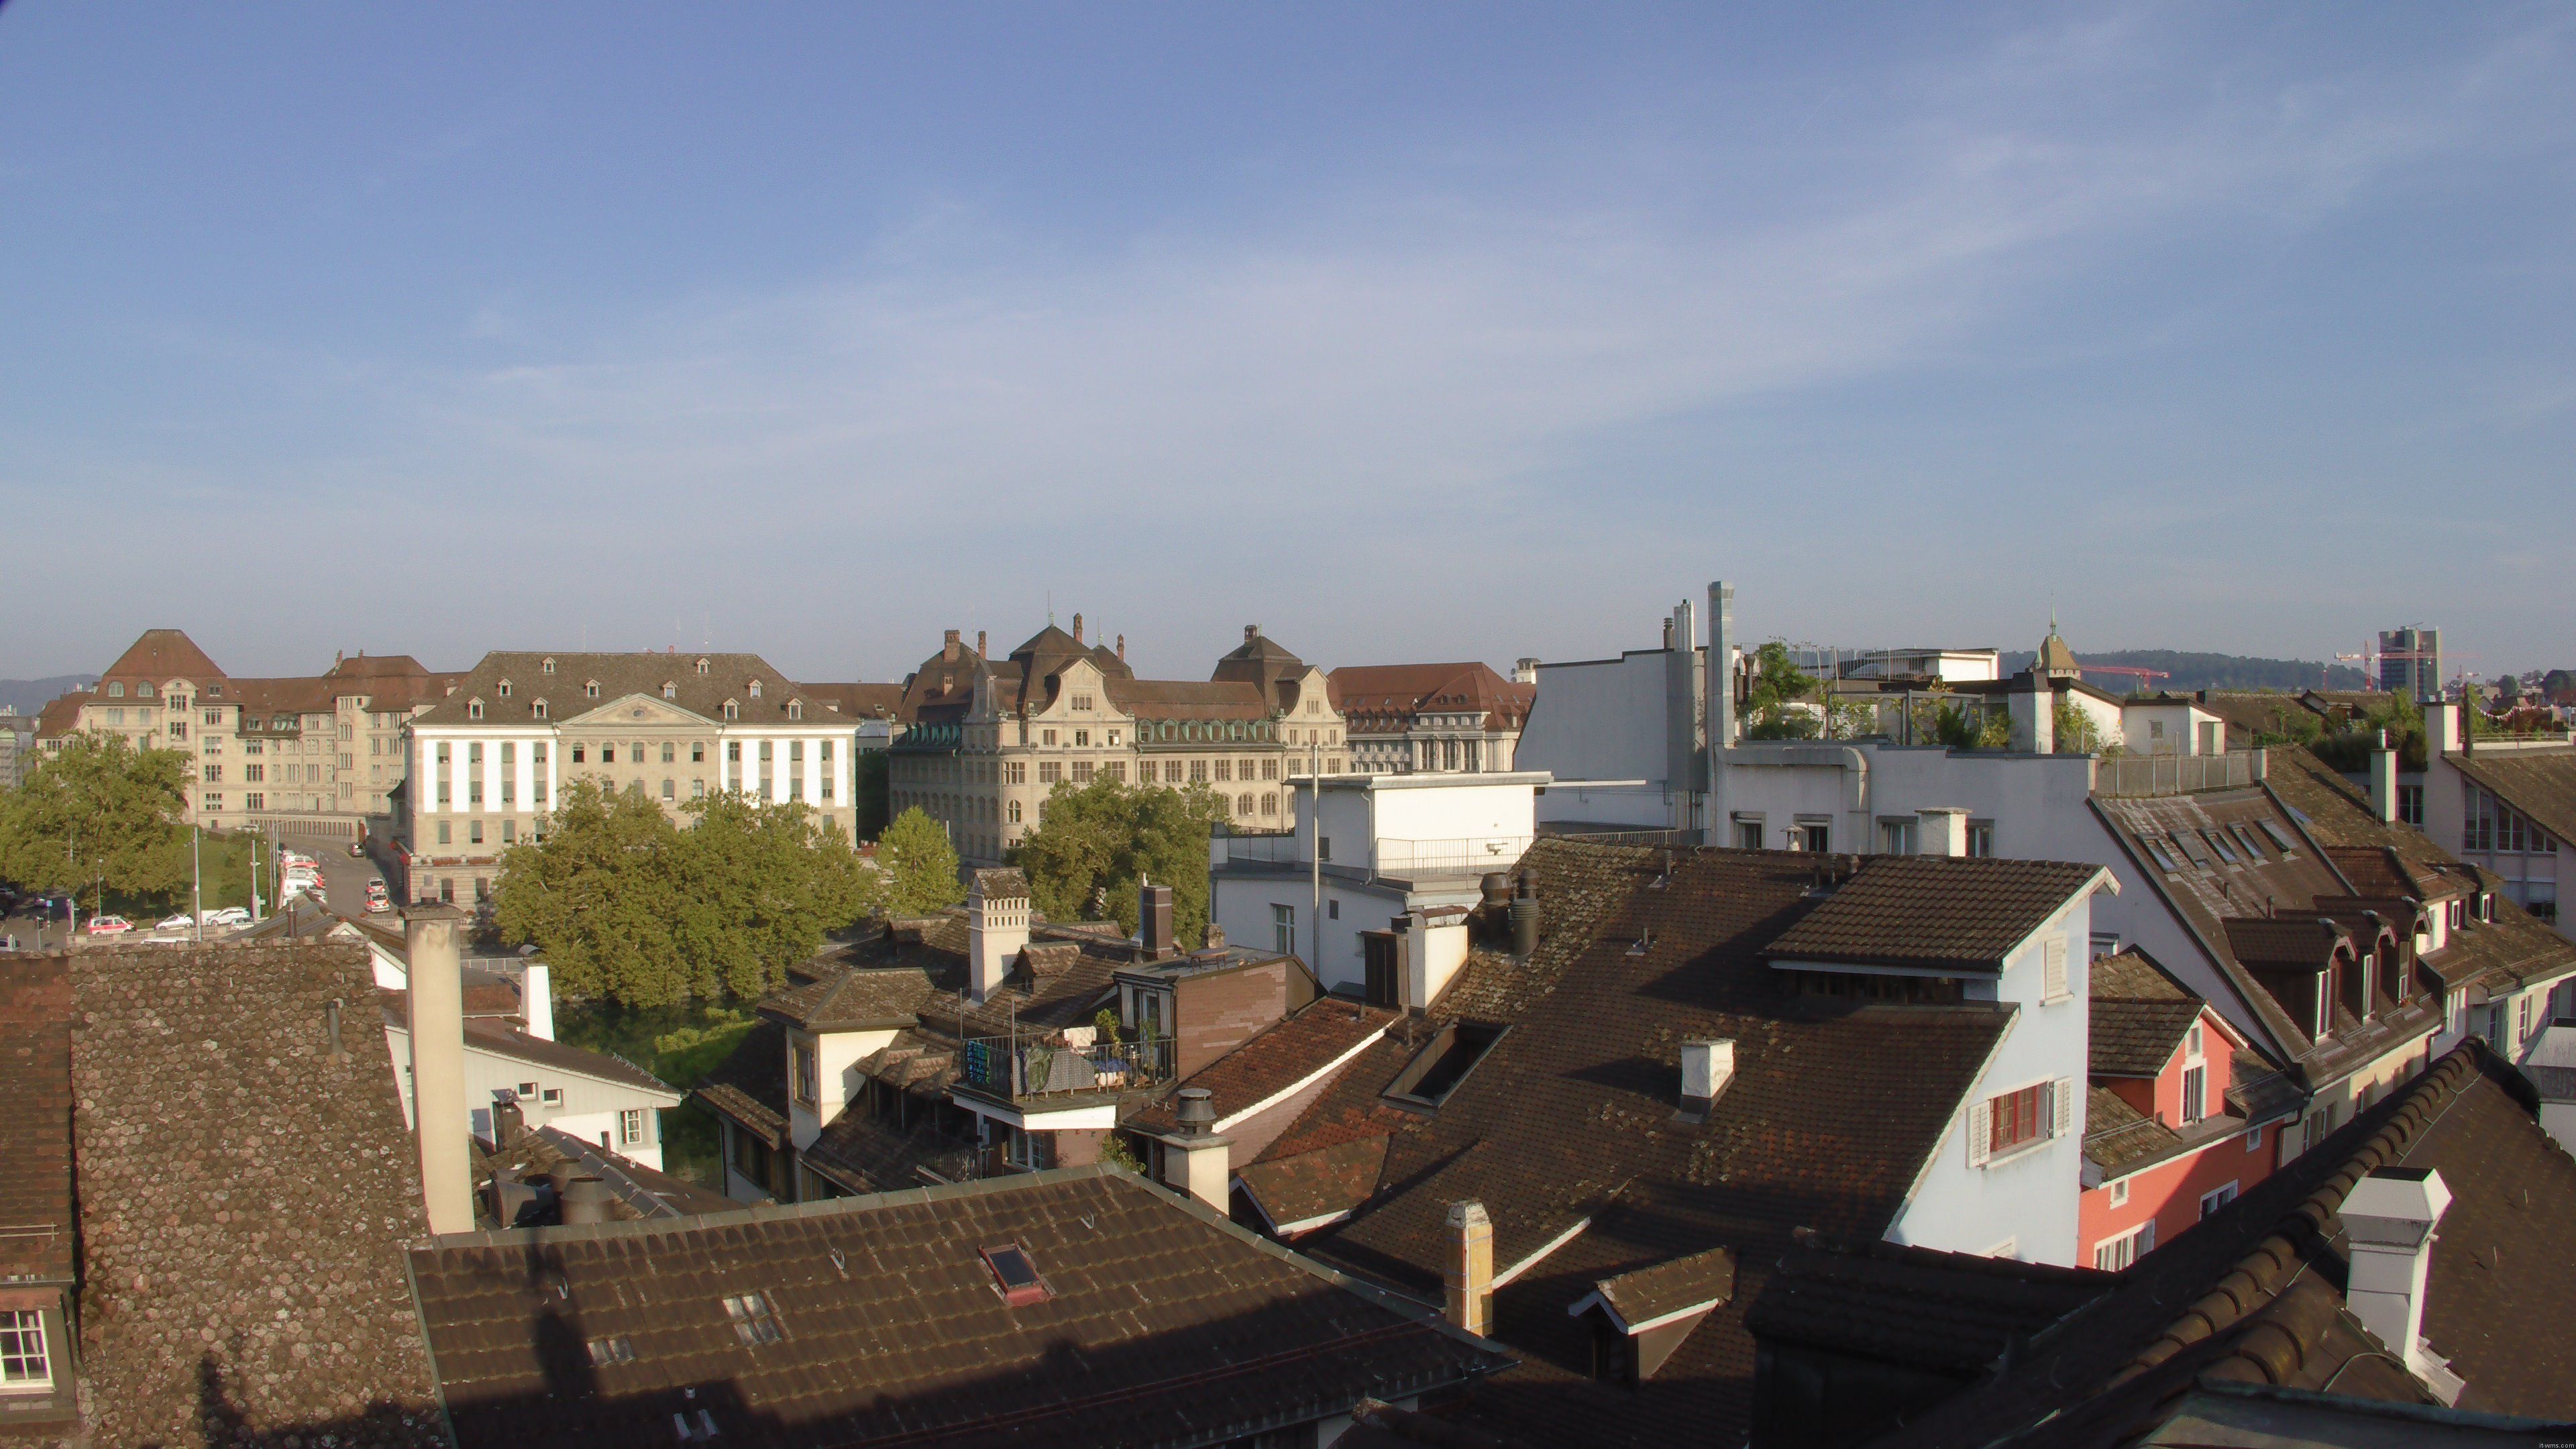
(1197, 1112)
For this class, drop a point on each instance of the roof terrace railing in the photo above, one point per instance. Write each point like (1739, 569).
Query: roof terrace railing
(1466, 853)
(1022, 1067)
(2135, 775)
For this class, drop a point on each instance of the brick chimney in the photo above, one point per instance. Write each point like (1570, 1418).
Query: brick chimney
(948, 647)
(1122, 646)
(1154, 920)
(980, 651)
(436, 1001)
(997, 927)
(1468, 1274)
(2388, 1219)
(1941, 830)
(1077, 628)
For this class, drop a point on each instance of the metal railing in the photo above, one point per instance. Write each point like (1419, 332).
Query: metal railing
(1027, 1067)
(1473, 852)
(2134, 775)
(1278, 849)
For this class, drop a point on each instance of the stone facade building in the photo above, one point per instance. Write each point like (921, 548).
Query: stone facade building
(1420, 718)
(490, 760)
(316, 753)
(987, 739)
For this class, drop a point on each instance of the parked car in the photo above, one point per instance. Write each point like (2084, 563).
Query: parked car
(109, 925)
(378, 905)
(180, 922)
(358, 848)
(229, 916)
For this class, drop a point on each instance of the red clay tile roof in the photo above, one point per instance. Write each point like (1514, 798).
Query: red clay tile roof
(2137, 1016)
(1382, 697)
(245, 1199)
(162, 654)
(1281, 1056)
(2235, 1298)
(1162, 1323)
(1316, 1183)
(1949, 1313)
(36, 1127)
(1933, 912)
(1691, 1281)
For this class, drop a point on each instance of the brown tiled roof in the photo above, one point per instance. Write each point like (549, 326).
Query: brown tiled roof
(61, 714)
(1928, 911)
(246, 1198)
(1316, 1183)
(750, 1086)
(565, 691)
(1950, 1313)
(2515, 948)
(36, 1127)
(2236, 1297)
(1569, 1119)
(2378, 870)
(859, 701)
(852, 1000)
(2138, 1016)
(2249, 713)
(1692, 1280)
(1385, 697)
(635, 1191)
(2292, 943)
(1162, 1322)
(1281, 1056)
(2118, 1136)
(162, 654)
(1263, 663)
(869, 1154)
(2538, 783)
(1188, 699)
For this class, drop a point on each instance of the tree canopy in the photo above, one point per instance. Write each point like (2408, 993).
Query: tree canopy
(1777, 681)
(99, 810)
(628, 906)
(1096, 842)
(919, 865)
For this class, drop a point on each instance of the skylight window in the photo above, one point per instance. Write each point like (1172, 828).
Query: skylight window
(1445, 1062)
(606, 1351)
(753, 1320)
(2245, 838)
(1018, 1277)
(2226, 852)
(2164, 858)
(2190, 848)
(2279, 836)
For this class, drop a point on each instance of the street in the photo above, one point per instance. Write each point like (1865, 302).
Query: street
(344, 877)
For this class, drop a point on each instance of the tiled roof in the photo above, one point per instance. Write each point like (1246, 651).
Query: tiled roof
(635, 1191)
(1188, 699)
(2539, 783)
(1693, 1280)
(2118, 1136)
(1920, 910)
(1568, 1120)
(750, 1085)
(1949, 1313)
(1281, 1056)
(2515, 948)
(61, 714)
(36, 1128)
(246, 1197)
(2235, 1299)
(852, 1000)
(1160, 1322)
(1382, 697)
(2378, 870)
(162, 654)
(2138, 1016)
(565, 691)
(859, 701)
(1315, 1183)
(870, 1154)
(2292, 943)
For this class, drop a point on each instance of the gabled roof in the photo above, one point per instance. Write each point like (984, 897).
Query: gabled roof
(750, 1084)
(1156, 1321)
(1381, 697)
(1283, 1055)
(2379, 871)
(1949, 1313)
(61, 714)
(728, 678)
(1260, 662)
(2137, 1016)
(2287, 943)
(2252, 1294)
(162, 654)
(2118, 1136)
(2538, 783)
(1934, 912)
(853, 1000)
(36, 1128)
(1567, 1124)
(1644, 1297)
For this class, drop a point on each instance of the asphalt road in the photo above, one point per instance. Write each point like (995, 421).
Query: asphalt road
(344, 876)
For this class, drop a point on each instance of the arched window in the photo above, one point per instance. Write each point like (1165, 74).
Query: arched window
(1243, 805)
(143, 690)
(1269, 804)
(591, 689)
(505, 689)
(116, 689)
(1015, 812)
(473, 709)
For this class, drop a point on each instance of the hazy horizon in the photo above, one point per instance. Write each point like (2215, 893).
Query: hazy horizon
(1418, 333)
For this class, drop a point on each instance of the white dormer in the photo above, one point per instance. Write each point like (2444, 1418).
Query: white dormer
(549, 665)
(732, 710)
(702, 666)
(473, 709)
(591, 689)
(670, 690)
(755, 689)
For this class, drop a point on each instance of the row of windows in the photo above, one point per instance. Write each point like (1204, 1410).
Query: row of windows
(636, 752)
(2491, 825)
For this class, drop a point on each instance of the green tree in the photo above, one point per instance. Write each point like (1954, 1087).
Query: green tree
(2072, 726)
(1095, 844)
(602, 896)
(920, 866)
(99, 810)
(766, 884)
(869, 795)
(1777, 683)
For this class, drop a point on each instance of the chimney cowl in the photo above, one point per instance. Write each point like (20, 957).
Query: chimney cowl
(1197, 1112)
(585, 1200)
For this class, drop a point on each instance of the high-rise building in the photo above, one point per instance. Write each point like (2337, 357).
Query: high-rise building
(2410, 662)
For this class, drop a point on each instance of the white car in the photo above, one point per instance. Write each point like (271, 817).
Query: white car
(179, 922)
(229, 916)
(378, 905)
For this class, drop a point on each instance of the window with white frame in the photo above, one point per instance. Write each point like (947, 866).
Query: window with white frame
(2113, 1254)
(25, 1365)
(2216, 1198)
(2010, 1123)
(2120, 1193)
(630, 1126)
(2195, 1094)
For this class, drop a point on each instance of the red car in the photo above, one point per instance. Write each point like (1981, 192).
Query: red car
(109, 925)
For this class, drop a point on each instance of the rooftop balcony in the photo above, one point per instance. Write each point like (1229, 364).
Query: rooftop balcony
(2122, 776)
(1023, 1068)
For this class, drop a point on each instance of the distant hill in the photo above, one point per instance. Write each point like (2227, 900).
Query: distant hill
(27, 696)
(2211, 671)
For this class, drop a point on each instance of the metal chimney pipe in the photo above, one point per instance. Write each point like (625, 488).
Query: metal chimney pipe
(436, 999)
(585, 1200)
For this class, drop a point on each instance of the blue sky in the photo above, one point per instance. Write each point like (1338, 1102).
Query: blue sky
(1408, 331)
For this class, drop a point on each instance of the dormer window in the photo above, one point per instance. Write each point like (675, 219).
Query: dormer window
(504, 690)
(591, 689)
(473, 709)
(143, 690)
(541, 709)
(702, 666)
(116, 689)
(755, 689)
(548, 666)
(732, 710)
(670, 690)
(795, 707)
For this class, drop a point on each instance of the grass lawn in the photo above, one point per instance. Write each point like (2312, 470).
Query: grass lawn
(224, 863)
(679, 1044)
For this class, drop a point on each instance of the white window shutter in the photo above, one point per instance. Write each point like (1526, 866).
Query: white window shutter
(2053, 983)
(1981, 1133)
(2063, 1091)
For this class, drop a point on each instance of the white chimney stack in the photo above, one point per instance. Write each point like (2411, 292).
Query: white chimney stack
(1721, 708)
(2383, 781)
(537, 1001)
(1941, 830)
(997, 927)
(436, 998)
(1707, 1066)
(2388, 1219)
(1468, 1278)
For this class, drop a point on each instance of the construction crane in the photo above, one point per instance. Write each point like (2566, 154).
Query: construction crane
(2145, 677)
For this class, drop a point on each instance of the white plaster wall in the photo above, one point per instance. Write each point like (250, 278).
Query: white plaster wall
(2030, 1197)
(1600, 720)
(590, 1106)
